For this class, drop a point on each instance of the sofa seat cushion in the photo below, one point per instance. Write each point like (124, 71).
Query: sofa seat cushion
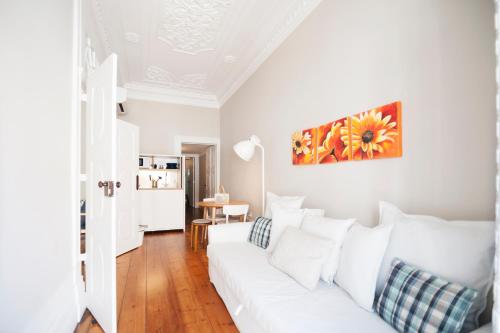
(279, 303)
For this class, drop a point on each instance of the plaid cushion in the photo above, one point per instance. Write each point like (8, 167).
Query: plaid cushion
(260, 232)
(416, 301)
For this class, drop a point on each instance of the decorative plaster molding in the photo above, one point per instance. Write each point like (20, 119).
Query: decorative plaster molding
(155, 74)
(140, 91)
(292, 21)
(132, 37)
(192, 26)
(195, 81)
(229, 59)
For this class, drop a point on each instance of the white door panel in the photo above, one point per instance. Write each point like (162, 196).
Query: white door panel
(101, 209)
(128, 233)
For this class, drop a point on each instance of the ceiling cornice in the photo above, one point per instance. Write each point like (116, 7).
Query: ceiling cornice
(293, 20)
(141, 91)
(199, 88)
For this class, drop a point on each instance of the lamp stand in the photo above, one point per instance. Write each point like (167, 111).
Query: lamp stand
(263, 179)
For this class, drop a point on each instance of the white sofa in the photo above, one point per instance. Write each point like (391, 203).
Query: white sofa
(261, 298)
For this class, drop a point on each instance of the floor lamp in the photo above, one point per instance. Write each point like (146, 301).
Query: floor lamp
(245, 150)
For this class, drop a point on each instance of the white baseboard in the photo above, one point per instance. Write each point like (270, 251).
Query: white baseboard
(59, 314)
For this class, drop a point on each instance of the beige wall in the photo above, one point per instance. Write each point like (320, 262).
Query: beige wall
(159, 123)
(437, 57)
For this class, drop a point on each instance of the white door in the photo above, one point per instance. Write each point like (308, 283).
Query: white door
(101, 203)
(203, 181)
(127, 225)
(211, 166)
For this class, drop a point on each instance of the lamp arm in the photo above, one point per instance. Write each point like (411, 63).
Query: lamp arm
(263, 179)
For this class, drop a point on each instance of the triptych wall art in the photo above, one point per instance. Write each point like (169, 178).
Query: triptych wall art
(367, 135)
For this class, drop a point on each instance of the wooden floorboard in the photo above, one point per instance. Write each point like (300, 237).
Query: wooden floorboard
(132, 317)
(122, 270)
(84, 324)
(163, 287)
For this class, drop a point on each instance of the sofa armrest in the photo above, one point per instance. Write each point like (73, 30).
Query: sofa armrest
(484, 329)
(229, 233)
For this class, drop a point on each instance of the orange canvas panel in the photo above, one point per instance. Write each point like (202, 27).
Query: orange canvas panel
(333, 144)
(304, 147)
(377, 133)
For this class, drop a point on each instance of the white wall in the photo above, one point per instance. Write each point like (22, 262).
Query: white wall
(437, 56)
(37, 248)
(159, 123)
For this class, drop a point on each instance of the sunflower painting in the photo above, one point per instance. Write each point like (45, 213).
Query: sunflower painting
(331, 148)
(376, 133)
(369, 135)
(304, 147)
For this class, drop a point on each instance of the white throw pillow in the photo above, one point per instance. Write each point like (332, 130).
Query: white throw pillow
(284, 217)
(284, 202)
(331, 229)
(301, 256)
(457, 251)
(360, 259)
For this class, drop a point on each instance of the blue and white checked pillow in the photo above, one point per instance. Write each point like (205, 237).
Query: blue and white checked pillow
(416, 301)
(260, 232)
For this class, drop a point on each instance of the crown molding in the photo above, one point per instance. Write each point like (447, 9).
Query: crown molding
(292, 21)
(140, 91)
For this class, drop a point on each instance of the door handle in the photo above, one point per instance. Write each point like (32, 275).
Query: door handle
(109, 187)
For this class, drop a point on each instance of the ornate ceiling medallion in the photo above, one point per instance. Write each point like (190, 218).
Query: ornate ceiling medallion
(192, 26)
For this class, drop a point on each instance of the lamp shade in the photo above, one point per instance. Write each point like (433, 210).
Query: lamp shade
(245, 149)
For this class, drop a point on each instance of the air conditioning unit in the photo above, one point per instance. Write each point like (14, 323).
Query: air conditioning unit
(120, 110)
(121, 96)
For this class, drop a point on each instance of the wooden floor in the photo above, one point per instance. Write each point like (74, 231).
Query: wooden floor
(163, 286)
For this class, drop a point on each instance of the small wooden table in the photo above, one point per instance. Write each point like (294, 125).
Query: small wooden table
(215, 205)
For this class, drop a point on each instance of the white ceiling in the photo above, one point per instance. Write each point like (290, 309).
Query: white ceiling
(195, 52)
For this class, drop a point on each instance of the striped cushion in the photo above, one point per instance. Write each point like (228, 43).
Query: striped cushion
(260, 232)
(416, 301)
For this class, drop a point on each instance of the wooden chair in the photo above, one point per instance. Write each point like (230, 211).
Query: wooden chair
(235, 210)
(195, 226)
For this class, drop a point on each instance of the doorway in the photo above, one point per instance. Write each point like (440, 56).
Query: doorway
(200, 171)
(190, 181)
